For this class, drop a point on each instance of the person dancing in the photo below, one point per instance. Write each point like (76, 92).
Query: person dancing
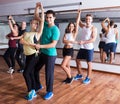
(47, 57)
(29, 41)
(69, 39)
(9, 55)
(88, 37)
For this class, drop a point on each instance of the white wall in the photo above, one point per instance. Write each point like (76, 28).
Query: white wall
(4, 30)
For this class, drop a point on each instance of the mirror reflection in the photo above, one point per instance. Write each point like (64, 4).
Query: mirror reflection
(62, 20)
(109, 56)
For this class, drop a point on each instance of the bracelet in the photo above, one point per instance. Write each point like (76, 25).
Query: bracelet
(9, 19)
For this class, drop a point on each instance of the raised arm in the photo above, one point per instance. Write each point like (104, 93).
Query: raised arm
(11, 23)
(81, 24)
(103, 24)
(77, 23)
(41, 20)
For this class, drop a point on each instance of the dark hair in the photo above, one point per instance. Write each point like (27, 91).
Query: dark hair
(103, 30)
(115, 25)
(89, 15)
(51, 12)
(67, 29)
(111, 23)
(7, 17)
(19, 28)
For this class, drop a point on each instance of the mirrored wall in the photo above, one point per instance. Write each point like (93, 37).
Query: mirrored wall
(62, 20)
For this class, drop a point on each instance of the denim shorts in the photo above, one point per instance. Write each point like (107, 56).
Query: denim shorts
(110, 47)
(85, 54)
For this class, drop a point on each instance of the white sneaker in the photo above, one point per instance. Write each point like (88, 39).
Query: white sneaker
(10, 71)
(10, 68)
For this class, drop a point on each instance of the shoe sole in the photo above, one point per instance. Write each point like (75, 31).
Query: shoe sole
(77, 79)
(49, 97)
(86, 82)
(31, 98)
(11, 72)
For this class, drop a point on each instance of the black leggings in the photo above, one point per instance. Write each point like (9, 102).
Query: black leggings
(9, 57)
(20, 57)
(29, 71)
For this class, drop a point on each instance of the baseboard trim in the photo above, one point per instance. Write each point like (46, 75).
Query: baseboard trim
(96, 66)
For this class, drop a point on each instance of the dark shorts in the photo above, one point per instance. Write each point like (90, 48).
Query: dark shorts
(68, 52)
(109, 47)
(101, 44)
(85, 54)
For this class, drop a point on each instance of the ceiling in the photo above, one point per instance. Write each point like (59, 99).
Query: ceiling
(10, 1)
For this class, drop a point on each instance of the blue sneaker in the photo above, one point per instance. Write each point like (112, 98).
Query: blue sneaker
(86, 80)
(41, 87)
(32, 94)
(48, 95)
(78, 76)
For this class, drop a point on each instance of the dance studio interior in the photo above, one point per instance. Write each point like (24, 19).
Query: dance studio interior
(103, 86)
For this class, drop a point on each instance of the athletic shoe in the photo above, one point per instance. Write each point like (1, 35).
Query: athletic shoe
(10, 68)
(78, 76)
(32, 94)
(86, 80)
(69, 81)
(64, 81)
(20, 70)
(48, 95)
(10, 71)
(41, 87)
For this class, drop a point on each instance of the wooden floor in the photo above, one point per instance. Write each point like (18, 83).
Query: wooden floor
(104, 88)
